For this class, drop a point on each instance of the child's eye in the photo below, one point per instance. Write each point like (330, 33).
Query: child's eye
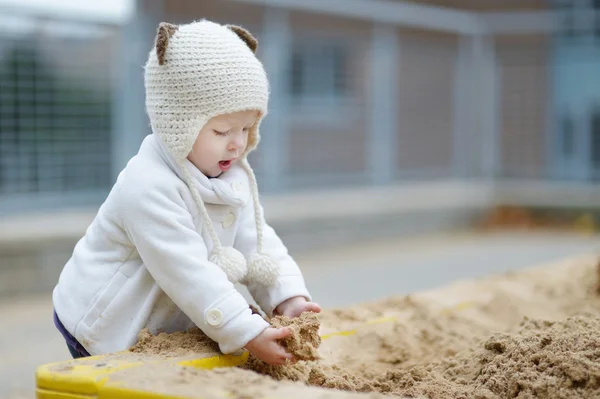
(220, 133)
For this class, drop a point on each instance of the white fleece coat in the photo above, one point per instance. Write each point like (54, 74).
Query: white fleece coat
(143, 262)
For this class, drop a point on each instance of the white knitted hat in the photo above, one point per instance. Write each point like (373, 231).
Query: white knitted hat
(195, 72)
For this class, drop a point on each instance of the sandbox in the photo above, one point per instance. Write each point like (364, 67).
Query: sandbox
(534, 333)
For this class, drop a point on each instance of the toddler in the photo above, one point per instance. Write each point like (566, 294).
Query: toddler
(183, 222)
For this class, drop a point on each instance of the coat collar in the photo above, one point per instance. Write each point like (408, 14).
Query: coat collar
(231, 188)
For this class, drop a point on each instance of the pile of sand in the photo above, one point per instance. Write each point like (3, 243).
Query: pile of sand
(303, 343)
(175, 344)
(534, 333)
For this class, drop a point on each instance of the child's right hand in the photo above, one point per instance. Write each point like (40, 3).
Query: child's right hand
(266, 348)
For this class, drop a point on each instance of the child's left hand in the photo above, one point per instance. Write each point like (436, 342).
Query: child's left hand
(295, 306)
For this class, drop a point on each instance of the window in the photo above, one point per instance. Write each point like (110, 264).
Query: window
(568, 136)
(578, 19)
(318, 72)
(568, 21)
(595, 137)
(596, 12)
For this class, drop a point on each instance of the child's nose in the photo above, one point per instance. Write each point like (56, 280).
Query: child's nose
(238, 142)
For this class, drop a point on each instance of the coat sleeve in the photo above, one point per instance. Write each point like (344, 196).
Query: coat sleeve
(290, 282)
(162, 229)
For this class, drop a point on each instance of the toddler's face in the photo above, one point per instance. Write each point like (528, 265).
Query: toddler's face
(222, 141)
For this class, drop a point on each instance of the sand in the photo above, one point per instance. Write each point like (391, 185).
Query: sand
(305, 340)
(175, 344)
(534, 333)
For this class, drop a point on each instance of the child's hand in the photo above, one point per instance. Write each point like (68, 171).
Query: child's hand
(295, 306)
(266, 348)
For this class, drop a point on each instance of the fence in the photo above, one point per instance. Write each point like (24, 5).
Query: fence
(55, 112)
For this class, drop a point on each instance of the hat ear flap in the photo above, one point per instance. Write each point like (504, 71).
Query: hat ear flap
(245, 36)
(165, 32)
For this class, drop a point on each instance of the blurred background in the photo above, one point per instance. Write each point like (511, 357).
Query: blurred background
(411, 143)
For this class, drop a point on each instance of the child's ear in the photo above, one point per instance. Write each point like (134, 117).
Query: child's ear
(245, 36)
(165, 32)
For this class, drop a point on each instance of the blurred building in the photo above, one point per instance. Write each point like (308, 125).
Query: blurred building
(453, 105)
(363, 92)
(378, 92)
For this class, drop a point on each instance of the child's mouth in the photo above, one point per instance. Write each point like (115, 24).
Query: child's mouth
(224, 165)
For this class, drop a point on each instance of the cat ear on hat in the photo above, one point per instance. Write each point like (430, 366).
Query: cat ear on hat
(245, 36)
(164, 33)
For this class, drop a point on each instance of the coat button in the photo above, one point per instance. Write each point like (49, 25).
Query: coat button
(228, 221)
(214, 317)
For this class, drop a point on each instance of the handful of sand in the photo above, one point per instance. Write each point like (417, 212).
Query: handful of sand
(304, 341)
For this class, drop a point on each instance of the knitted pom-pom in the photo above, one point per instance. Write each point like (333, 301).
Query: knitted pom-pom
(232, 262)
(261, 270)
